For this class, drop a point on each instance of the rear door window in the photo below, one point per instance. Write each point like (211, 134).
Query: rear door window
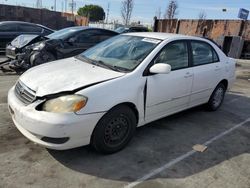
(88, 36)
(203, 53)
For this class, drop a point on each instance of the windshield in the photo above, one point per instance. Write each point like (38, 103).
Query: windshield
(63, 33)
(122, 52)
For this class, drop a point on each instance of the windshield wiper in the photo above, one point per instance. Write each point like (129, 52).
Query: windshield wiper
(112, 67)
(84, 58)
(102, 64)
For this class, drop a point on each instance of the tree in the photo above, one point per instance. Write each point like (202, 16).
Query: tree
(171, 11)
(94, 12)
(202, 15)
(126, 10)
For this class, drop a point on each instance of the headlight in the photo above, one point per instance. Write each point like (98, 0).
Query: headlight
(67, 103)
(38, 46)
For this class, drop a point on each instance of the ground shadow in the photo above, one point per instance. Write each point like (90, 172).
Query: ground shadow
(161, 141)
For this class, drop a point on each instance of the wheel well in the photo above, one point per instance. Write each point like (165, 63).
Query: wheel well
(132, 107)
(225, 83)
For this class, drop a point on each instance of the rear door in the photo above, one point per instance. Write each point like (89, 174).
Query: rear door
(207, 70)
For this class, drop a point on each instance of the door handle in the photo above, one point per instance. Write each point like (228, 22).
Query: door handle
(217, 68)
(188, 75)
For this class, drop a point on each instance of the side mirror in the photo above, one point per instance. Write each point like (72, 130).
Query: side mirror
(160, 68)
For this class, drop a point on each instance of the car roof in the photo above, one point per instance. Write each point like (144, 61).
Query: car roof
(161, 36)
(78, 28)
(28, 23)
(17, 22)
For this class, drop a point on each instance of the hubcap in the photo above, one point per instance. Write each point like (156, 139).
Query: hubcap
(116, 131)
(218, 97)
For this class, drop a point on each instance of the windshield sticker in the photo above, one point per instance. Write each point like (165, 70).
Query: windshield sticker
(155, 41)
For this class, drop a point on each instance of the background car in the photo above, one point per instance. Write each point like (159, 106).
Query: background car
(61, 44)
(15, 48)
(131, 29)
(9, 30)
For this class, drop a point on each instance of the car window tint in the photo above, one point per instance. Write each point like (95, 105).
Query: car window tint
(89, 36)
(174, 54)
(203, 53)
(8, 28)
(103, 35)
(29, 28)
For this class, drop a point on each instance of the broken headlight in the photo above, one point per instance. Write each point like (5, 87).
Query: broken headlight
(38, 46)
(63, 104)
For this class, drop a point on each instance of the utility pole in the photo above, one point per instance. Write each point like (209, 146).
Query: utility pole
(55, 5)
(62, 5)
(39, 3)
(108, 13)
(66, 4)
(72, 7)
(158, 13)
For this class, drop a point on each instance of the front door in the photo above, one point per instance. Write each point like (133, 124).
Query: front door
(169, 93)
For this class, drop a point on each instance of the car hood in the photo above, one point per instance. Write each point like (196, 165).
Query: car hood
(65, 75)
(24, 40)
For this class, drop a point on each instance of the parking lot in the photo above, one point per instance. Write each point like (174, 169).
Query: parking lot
(159, 155)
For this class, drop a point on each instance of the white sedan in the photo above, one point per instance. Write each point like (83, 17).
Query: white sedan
(102, 95)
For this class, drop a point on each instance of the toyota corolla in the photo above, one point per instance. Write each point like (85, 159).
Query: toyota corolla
(102, 95)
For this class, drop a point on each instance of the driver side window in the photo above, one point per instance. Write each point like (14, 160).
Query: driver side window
(174, 54)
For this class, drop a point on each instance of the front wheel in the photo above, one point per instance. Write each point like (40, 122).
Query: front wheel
(217, 97)
(115, 129)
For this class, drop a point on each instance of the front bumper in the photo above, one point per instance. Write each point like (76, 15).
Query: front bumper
(35, 125)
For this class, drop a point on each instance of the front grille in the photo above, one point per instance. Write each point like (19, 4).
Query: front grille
(24, 94)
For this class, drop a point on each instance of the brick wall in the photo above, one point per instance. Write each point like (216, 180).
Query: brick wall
(210, 28)
(51, 19)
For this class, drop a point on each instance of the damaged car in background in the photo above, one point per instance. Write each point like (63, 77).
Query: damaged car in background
(100, 96)
(30, 50)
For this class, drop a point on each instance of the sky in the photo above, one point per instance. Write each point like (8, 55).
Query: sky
(145, 10)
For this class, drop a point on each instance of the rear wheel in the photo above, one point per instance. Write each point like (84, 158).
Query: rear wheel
(114, 130)
(217, 97)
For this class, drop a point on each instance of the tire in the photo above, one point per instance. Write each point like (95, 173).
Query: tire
(217, 97)
(114, 130)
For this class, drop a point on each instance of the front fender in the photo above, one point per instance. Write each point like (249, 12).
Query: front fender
(104, 96)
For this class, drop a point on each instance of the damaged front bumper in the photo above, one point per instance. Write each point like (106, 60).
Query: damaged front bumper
(57, 131)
